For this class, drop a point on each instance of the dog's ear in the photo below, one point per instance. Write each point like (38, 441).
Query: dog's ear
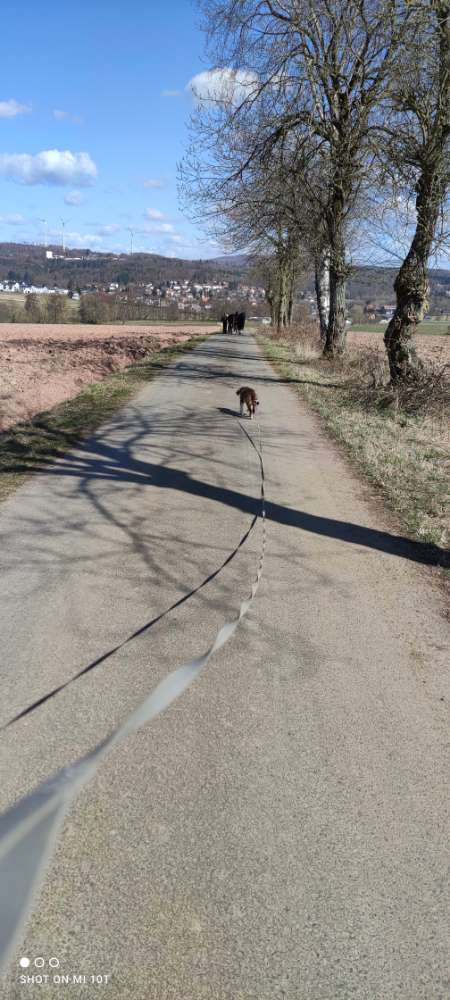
(238, 392)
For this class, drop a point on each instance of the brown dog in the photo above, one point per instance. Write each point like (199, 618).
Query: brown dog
(247, 397)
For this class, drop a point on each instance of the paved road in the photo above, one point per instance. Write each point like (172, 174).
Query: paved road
(282, 831)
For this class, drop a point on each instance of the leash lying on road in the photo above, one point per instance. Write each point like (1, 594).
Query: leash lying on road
(28, 830)
(142, 630)
(139, 631)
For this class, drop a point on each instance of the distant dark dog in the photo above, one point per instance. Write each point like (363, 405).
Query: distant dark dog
(247, 397)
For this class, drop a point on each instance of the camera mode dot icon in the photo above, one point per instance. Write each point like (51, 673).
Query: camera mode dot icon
(24, 962)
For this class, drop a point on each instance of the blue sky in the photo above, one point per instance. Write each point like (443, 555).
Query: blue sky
(107, 80)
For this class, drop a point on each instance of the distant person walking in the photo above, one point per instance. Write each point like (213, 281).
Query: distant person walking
(230, 323)
(241, 321)
(224, 322)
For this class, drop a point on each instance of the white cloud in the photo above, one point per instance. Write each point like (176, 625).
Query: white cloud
(75, 239)
(108, 230)
(153, 183)
(171, 93)
(154, 213)
(13, 219)
(183, 244)
(11, 108)
(226, 85)
(73, 198)
(163, 227)
(61, 116)
(51, 166)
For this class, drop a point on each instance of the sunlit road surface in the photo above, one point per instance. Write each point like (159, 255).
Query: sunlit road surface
(282, 830)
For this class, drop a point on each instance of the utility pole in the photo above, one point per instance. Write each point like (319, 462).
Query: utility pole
(44, 223)
(131, 232)
(63, 224)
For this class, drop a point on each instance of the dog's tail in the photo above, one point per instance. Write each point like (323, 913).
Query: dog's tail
(238, 393)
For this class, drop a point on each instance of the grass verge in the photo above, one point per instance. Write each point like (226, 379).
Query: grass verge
(26, 446)
(436, 328)
(405, 455)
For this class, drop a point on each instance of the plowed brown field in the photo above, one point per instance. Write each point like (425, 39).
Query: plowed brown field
(429, 346)
(41, 365)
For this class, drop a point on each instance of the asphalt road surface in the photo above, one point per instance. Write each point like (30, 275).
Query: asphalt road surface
(282, 830)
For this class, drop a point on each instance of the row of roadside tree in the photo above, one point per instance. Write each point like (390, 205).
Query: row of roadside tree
(324, 127)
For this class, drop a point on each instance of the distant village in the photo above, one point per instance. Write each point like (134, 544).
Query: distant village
(190, 297)
(185, 295)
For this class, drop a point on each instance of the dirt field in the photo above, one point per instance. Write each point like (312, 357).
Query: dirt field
(432, 348)
(41, 365)
(102, 331)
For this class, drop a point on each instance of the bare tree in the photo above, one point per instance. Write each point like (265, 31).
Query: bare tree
(267, 202)
(322, 289)
(93, 308)
(419, 163)
(33, 308)
(56, 308)
(320, 67)
(258, 210)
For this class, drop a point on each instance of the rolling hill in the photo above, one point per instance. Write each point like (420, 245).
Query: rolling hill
(86, 268)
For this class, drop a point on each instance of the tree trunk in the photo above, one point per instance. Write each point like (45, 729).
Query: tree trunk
(411, 284)
(279, 302)
(322, 286)
(271, 300)
(411, 289)
(337, 330)
(283, 299)
(280, 289)
(290, 303)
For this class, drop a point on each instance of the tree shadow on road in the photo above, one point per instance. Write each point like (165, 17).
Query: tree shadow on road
(190, 371)
(103, 460)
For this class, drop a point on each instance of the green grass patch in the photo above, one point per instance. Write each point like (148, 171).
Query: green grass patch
(436, 328)
(27, 446)
(406, 456)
